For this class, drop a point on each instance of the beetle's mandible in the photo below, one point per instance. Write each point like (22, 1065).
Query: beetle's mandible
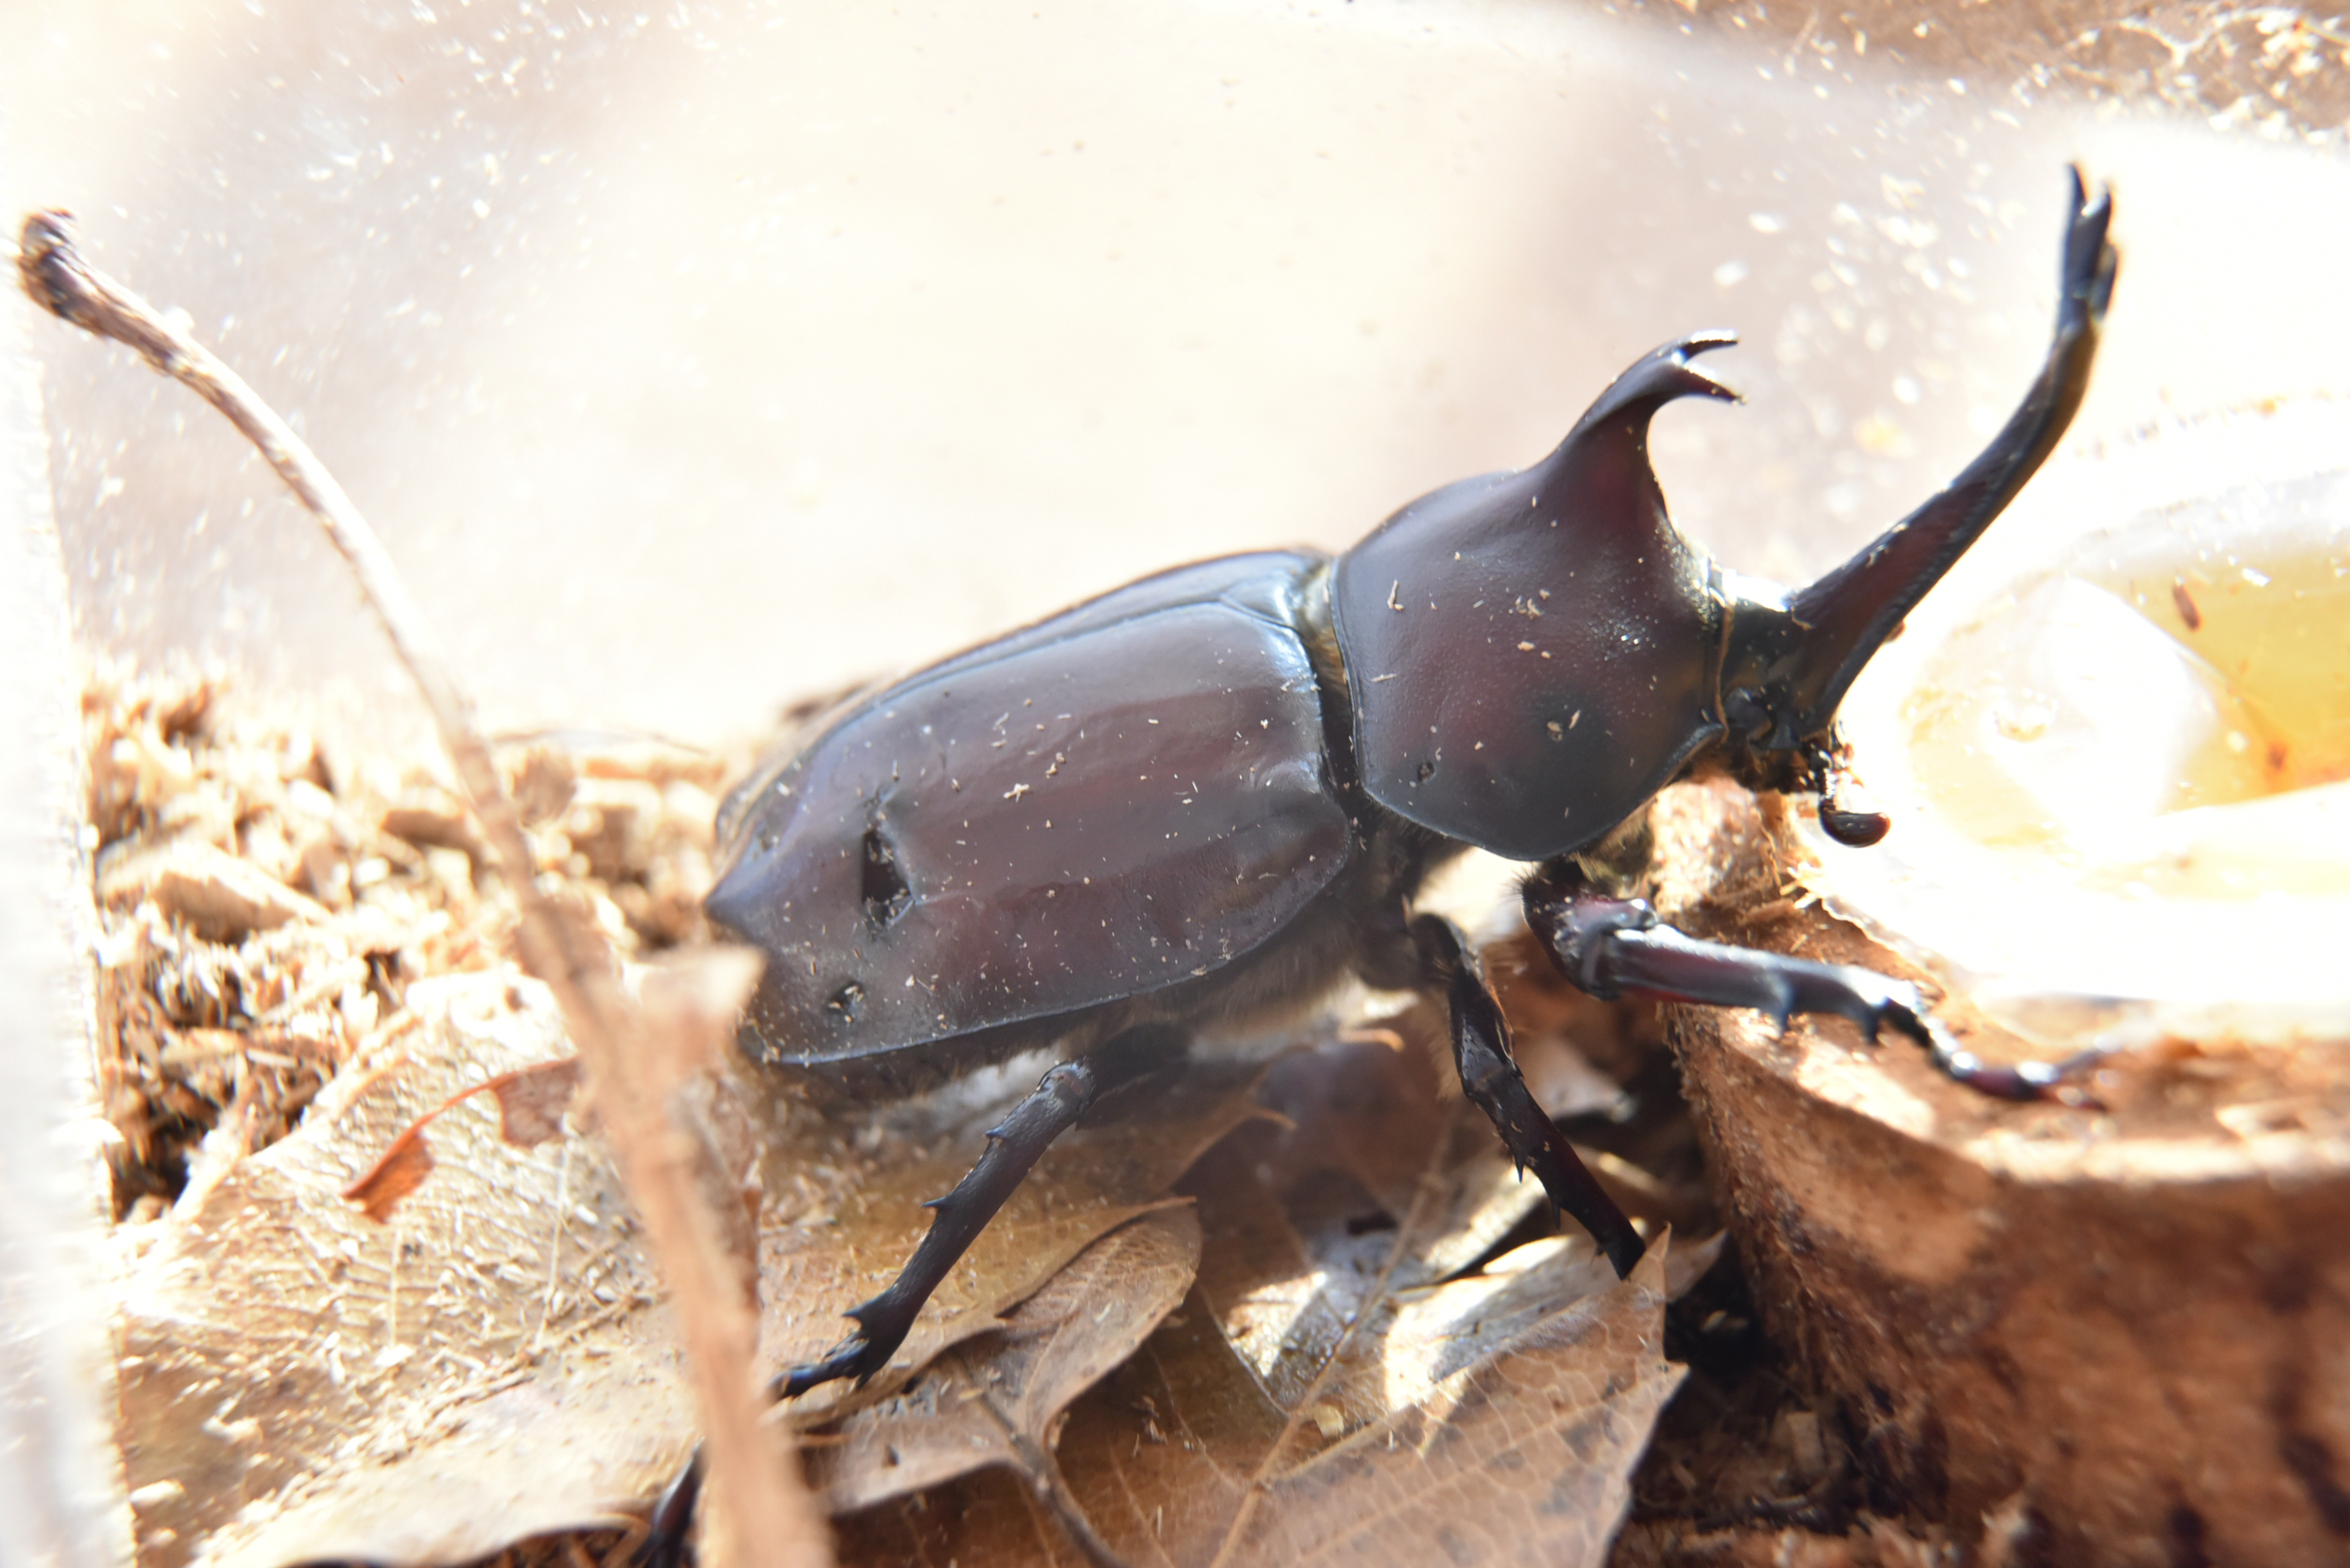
(1209, 796)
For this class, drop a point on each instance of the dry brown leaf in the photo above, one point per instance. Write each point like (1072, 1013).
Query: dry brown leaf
(301, 1383)
(1341, 1383)
(1525, 1454)
(532, 1100)
(398, 1175)
(998, 1399)
(851, 1210)
(1338, 1387)
(1867, 1543)
(984, 1520)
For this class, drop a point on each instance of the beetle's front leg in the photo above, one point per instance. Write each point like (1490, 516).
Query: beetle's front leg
(1480, 1049)
(1606, 946)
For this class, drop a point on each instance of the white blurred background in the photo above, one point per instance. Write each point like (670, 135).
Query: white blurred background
(697, 357)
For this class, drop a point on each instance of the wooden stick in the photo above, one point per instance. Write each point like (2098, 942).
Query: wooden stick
(771, 1520)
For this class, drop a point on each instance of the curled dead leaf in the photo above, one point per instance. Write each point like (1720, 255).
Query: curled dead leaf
(401, 1170)
(998, 1398)
(845, 1207)
(532, 1100)
(494, 1361)
(530, 1103)
(1353, 1377)
(308, 1384)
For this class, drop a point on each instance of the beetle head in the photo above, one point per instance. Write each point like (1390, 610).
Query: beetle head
(1532, 656)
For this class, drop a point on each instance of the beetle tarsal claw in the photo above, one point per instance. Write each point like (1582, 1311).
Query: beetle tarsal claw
(847, 1360)
(2024, 1080)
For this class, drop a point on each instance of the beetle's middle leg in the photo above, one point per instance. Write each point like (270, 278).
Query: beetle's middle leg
(1014, 1147)
(1608, 945)
(1490, 1076)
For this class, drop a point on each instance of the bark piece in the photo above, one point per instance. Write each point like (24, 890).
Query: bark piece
(215, 895)
(2125, 1330)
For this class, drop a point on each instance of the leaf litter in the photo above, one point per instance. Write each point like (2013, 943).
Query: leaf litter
(1356, 1303)
(1343, 1381)
(299, 1381)
(999, 1399)
(269, 887)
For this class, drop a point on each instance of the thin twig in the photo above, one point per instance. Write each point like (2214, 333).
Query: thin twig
(773, 1518)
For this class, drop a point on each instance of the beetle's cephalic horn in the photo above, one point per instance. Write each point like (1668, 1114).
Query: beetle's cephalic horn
(1800, 658)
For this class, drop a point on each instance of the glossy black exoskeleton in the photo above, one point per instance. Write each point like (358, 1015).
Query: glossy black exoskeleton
(1207, 797)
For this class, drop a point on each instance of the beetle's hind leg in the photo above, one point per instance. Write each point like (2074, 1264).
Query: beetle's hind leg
(1608, 946)
(1014, 1147)
(1490, 1076)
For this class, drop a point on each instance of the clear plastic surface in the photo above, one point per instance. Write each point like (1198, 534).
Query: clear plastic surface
(696, 357)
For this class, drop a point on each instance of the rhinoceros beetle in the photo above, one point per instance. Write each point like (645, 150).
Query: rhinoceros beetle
(1209, 796)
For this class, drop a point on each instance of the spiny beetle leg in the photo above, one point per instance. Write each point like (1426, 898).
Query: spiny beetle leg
(1480, 1049)
(1014, 1146)
(1608, 946)
(665, 1543)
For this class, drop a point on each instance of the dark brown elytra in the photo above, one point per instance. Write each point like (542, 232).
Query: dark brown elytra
(1201, 799)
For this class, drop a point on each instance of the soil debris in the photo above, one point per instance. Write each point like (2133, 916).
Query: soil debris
(268, 892)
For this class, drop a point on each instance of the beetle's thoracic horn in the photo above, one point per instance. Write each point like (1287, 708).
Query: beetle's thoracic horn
(1802, 660)
(1532, 655)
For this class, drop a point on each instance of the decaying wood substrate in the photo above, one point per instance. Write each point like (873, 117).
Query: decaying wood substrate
(2107, 1335)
